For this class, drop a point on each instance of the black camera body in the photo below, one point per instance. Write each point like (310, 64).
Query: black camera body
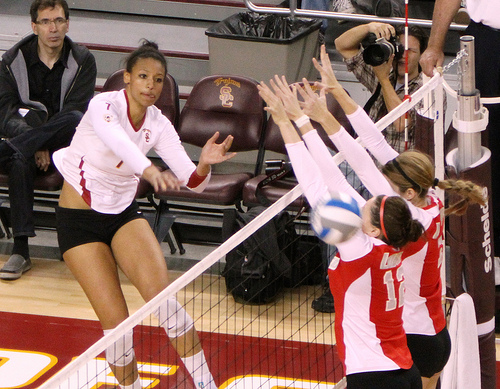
(378, 50)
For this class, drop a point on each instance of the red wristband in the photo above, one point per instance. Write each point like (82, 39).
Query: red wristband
(195, 180)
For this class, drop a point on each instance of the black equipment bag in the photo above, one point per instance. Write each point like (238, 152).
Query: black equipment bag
(272, 258)
(255, 270)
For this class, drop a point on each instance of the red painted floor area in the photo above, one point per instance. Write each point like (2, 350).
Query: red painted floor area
(33, 348)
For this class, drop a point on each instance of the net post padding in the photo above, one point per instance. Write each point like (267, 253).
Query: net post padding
(471, 248)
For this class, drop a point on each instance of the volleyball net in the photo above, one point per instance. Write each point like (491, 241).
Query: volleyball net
(283, 343)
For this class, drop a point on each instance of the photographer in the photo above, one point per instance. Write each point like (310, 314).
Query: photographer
(386, 81)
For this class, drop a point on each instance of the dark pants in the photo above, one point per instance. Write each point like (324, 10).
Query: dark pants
(17, 158)
(487, 52)
(392, 379)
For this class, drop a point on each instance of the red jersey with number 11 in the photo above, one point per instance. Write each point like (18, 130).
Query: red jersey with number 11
(368, 293)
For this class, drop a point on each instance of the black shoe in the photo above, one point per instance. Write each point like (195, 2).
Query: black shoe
(324, 303)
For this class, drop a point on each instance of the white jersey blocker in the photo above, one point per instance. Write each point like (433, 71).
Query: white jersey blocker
(107, 154)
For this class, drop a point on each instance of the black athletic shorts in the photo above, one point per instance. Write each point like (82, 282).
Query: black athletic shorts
(392, 379)
(79, 226)
(430, 353)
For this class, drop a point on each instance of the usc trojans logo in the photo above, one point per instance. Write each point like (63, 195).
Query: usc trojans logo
(147, 135)
(226, 97)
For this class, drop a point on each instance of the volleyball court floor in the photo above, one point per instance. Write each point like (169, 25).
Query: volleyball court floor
(46, 321)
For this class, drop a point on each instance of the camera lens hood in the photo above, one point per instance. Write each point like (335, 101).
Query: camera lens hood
(378, 53)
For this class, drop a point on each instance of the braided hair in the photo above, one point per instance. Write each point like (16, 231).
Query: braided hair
(414, 169)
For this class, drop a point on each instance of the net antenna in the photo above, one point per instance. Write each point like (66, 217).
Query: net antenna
(407, 94)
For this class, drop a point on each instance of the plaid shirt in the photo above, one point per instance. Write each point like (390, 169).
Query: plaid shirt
(365, 74)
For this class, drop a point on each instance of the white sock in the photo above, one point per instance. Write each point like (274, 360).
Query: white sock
(197, 366)
(135, 385)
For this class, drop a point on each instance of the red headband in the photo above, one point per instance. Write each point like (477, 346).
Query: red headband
(382, 217)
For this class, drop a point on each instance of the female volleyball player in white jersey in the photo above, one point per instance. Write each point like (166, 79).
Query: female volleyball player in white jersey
(410, 175)
(365, 278)
(99, 223)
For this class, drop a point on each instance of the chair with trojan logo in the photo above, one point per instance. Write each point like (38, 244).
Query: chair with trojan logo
(230, 105)
(254, 195)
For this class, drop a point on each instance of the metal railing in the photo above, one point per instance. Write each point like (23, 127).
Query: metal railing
(307, 13)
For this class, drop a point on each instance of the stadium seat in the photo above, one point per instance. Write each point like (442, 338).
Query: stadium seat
(232, 106)
(274, 142)
(49, 181)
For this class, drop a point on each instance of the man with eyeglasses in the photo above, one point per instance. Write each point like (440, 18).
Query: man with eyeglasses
(46, 83)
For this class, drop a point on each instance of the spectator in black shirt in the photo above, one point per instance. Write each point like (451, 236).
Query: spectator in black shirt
(46, 83)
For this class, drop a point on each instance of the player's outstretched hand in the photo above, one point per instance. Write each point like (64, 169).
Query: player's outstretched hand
(313, 104)
(161, 181)
(274, 104)
(214, 152)
(276, 108)
(288, 96)
(328, 79)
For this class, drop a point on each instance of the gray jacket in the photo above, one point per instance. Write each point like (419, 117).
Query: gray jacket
(77, 88)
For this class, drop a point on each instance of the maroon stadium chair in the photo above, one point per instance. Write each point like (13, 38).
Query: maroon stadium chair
(232, 106)
(274, 142)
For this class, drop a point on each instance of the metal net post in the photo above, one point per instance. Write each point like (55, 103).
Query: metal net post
(469, 144)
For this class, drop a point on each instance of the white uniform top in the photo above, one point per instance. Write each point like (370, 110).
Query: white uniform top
(485, 11)
(365, 280)
(107, 154)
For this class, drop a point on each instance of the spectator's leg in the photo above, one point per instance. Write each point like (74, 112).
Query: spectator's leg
(318, 5)
(21, 178)
(53, 135)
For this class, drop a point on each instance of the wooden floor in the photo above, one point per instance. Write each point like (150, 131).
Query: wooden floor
(50, 289)
(288, 326)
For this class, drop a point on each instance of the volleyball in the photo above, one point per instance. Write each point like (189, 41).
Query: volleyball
(336, 218)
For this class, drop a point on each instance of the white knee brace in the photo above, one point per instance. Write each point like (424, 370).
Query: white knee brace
(121, 353)
(174, 318)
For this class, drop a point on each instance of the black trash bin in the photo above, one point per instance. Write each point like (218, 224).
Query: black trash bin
(260, 46)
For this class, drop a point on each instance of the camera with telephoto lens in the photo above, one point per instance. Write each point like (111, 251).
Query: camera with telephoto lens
(377, 51)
